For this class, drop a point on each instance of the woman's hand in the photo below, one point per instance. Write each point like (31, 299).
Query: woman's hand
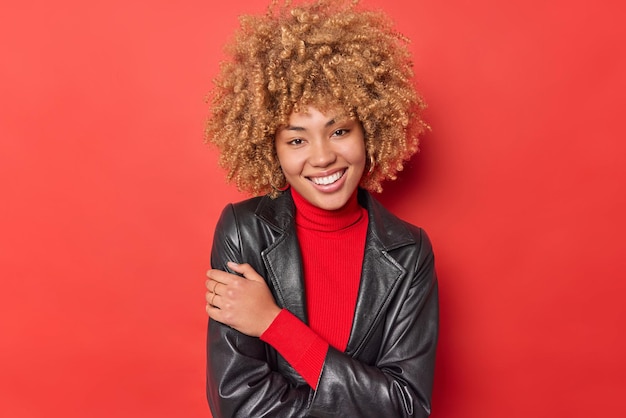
(244, 303)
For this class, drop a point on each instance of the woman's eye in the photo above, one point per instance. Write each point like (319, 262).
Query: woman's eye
(340, 132)
(297, 141)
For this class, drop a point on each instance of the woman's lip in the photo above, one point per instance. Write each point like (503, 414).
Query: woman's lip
(331, 187)
(327, 174)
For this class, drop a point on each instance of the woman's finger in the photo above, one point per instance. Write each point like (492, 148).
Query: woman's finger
(212, 286)
(220, 276)
(246, 270)
(214, 312)
(209, 297)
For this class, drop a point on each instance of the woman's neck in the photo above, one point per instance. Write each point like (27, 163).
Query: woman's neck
(312, 217)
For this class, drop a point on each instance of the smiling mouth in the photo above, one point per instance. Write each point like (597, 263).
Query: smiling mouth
(325, 181)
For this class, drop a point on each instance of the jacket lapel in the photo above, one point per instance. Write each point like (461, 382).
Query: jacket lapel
(282, 258)
(381, 273)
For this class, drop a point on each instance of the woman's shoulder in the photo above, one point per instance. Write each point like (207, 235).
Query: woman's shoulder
(277, 212)
(391, 228)
(245, 206)
(234, 212)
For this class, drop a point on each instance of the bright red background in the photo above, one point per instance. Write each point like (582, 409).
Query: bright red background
(109, 198)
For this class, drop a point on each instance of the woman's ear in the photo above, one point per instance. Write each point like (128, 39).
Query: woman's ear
(371, 163)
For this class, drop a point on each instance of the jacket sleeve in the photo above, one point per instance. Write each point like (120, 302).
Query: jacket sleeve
(240, 382)
(399, 384)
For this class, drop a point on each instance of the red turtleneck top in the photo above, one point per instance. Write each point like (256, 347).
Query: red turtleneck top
(332, 245)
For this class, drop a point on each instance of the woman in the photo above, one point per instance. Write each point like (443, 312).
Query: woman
(321, 302)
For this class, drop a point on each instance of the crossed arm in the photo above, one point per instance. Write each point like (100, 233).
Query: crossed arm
(241, 382)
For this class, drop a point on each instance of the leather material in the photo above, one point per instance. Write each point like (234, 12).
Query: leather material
(387, 369)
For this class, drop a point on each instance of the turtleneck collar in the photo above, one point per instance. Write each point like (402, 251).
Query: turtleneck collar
(311, 217)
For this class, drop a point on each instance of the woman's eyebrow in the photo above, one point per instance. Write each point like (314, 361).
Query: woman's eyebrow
(331, 122)
(294, 128)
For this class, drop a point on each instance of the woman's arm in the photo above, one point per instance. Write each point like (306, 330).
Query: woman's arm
(246, 304)
(242, 302)
(399, 384)
(240, 382)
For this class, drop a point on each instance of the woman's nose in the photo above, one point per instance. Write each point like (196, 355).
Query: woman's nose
(322, 154)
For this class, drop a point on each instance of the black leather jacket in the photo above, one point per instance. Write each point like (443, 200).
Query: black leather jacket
(387, 368)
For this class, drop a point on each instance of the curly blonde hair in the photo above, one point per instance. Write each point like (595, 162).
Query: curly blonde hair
(323, 54)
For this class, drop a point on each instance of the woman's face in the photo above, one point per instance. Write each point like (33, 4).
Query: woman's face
(322, 156)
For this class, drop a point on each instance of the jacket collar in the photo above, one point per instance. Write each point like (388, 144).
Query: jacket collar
(380, 274)
(389, 231)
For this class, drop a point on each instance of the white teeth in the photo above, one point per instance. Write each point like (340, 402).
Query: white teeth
(324, 181)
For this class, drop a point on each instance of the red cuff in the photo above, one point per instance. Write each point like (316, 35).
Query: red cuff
(298, 344)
